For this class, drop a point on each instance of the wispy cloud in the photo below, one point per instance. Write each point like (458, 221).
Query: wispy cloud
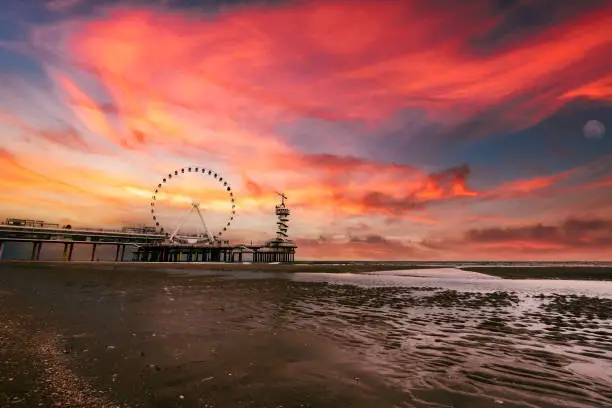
(133, 91)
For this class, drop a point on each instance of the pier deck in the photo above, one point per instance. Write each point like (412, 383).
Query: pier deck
(215, 253)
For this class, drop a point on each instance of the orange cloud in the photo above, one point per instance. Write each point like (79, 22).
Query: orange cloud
(165, 86)
(28, 183)
(358, 186)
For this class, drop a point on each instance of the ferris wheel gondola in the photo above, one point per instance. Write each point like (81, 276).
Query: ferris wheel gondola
(208, 236)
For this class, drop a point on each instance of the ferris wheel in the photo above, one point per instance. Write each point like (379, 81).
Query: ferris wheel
(206, 235)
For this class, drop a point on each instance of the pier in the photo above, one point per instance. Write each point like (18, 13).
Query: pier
(149, 246)
(215, 253)
(150, 243)
(39, 234)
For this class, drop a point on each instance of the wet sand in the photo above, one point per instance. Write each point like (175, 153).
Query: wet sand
(124, 335)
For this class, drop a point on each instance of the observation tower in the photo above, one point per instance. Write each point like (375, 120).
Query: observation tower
(283, 213)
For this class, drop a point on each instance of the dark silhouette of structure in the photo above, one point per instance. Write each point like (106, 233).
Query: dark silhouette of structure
(151, 245)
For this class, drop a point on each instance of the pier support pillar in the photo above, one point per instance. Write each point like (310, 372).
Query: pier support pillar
(70, 252)
(34, 248)
(65, 254)
(93, 252)
(122, 252)
(1, 248)
(117, 253)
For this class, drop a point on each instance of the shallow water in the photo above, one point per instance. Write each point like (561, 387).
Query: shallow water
(431, 338)
(457, 279)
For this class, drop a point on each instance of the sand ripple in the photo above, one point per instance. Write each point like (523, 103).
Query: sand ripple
(514, 349)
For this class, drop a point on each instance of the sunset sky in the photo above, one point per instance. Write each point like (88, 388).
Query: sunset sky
(399, 130)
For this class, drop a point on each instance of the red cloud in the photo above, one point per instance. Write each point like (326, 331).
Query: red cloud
(221, 85)
(359, 186)
(251, 68)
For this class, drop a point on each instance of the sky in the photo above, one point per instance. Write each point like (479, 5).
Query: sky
(399, 130)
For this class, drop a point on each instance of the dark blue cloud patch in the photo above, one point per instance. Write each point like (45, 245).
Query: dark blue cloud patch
(522, 19)
(17, 63)
(206, 6)
(554, 145)
(220, 5)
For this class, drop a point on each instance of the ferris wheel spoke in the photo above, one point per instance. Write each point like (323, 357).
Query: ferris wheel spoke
(180, 224)
(206, 233)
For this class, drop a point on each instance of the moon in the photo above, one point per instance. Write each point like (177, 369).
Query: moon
(593, 129)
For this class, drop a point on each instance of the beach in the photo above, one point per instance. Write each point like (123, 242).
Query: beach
(128, 335)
